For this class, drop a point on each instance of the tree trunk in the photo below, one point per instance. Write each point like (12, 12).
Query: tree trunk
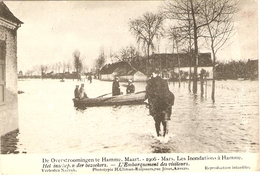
(213, 77)
(195, 48)
(201, 85)
(190, 51)
(179, 75)
(147, 62)
(195, 63)
(189, 87)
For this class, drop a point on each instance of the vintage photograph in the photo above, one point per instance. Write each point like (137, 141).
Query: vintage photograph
(129, 77)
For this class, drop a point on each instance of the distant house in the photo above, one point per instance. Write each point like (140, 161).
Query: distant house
(123, 70)
(169, 63)
(8, 70)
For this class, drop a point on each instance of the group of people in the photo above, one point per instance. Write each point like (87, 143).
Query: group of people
(160, 99)
(80, 92)
(116, 87)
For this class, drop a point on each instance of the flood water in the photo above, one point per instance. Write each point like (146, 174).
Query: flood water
(48, 122)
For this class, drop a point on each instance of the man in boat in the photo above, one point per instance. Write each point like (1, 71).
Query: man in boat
(82, 93)
(76, 92)
(160, 100)
(130, 87)
(115, 87)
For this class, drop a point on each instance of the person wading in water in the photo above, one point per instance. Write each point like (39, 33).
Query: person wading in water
(160, 101)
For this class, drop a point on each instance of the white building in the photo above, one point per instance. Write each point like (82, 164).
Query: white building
(123, 70)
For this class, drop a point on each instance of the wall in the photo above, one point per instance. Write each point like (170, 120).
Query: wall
(9, 110)
(126, 78)
(107, 77)
(138, 76)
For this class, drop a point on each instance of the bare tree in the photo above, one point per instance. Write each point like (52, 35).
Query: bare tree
(220, 30)
(114, 56)
(58, 64)
(129, 54)
(146, 29)
(190, 10)
(44, 69)
(54, 67)
(64, 66)
(174, 34)
(100, 62)
(68, 65)
(77, 62)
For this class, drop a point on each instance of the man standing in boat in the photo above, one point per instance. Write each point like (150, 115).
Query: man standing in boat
(115, 87)
(160, 100)
(76, 92)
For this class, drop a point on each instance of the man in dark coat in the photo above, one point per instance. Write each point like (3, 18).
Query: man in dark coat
(76, 92)
(115, 87)
(160, 100)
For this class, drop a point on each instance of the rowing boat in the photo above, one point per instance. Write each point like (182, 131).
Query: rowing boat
(128, 99)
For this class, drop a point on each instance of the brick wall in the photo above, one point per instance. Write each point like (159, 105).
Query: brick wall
(9, 110)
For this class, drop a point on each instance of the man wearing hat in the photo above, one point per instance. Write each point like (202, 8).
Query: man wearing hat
(130, 87)
(76, 92)
(160, 101)
(115, 87)
(82, 93)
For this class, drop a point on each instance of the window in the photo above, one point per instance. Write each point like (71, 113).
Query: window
(2, 71)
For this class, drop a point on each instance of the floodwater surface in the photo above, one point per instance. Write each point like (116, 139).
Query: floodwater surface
(48, 122)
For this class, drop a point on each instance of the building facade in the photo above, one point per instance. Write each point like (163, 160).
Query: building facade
(123, 70)
(8, 70)
(171, 64)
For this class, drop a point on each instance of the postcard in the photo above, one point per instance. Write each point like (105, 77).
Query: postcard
(129, 86)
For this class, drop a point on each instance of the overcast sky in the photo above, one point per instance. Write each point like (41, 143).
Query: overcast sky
(52, 31)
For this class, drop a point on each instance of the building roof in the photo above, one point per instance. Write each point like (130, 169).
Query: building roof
(204, 58)
(125, 69)
(7, 14)
(119, 68)
(109, 68)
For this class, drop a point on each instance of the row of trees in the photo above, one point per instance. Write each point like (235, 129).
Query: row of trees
(75, 64)
(236, 69)
(192, 23)
(59, 67)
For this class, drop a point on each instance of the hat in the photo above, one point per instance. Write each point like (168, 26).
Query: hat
(130, 81)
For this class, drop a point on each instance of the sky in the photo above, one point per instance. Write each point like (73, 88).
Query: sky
(53, 30)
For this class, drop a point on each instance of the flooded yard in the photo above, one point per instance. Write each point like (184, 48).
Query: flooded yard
(48, 122)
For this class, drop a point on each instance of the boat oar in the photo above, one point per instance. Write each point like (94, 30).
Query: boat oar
(103, 95)
(111, 93)
(140, 92)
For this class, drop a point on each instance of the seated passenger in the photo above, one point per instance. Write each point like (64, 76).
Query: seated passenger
(130, 87)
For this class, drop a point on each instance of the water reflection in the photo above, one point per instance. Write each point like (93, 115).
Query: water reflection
(197, 125)
(161, 149)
